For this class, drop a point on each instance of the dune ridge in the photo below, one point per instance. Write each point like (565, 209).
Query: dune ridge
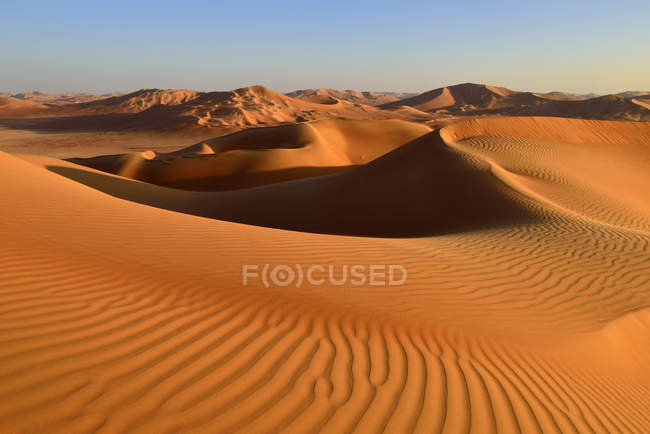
(134, 318)
(469, 99)
(10, 106)
(354, 96)
(472, 172)
(181, 109)
(60, 99)
(264, 155)
(208, 114)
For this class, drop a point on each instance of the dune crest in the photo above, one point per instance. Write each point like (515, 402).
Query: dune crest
(266, 155)
(469, 99)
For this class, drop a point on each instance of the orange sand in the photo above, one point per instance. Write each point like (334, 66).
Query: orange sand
(527, 305)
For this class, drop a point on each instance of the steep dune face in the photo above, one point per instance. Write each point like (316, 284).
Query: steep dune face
(265, 155)
(119, 316)
(435, 189)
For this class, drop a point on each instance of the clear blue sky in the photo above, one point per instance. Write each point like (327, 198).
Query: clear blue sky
(579, 46)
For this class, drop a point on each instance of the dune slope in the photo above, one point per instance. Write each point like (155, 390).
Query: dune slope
(264, 155)
(117, 316)
(469, 99)
(190, 110)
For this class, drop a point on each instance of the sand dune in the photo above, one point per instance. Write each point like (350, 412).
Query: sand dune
(354, 96)
(264, 155)
(61, 99)
(643, 102)
(634, 94)
(209, 114)
(179, 109)
(564, 95)
(10, 106)
(123, 310)
(467, 94)
(470, 99)
(604, 107)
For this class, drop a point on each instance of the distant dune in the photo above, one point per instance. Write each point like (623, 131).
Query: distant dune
(214, 113)
(563, 95)
(10, 107)
(154, 109)
(570, 96)
(458, 96)
(524, 240)
(634, 94)
(61, 99)
(354, 96)
(473, 99)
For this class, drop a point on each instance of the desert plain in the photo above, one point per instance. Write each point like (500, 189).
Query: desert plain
(522, 220)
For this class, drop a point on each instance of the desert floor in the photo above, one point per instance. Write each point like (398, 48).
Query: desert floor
(526, 309)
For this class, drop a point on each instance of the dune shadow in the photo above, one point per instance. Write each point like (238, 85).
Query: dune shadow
(127, 189)
(419, 190)
(152, 172)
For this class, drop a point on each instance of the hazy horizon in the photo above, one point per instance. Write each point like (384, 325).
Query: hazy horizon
(582, 47)
(128, 91)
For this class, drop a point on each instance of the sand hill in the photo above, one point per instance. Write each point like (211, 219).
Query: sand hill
(526, 309)
(62, 98)
(459, 96)
(14, 107)
(603, 107)
(563, 95)
(475, 100)
(205, 114)
(154, 109)
(354, 96)
(634, 94)
(264, 155)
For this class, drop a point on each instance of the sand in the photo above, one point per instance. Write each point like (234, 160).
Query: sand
(86, 144)
(527, 305)
(185, 112)
(469, 99)
(260, 156)
(333, 95)
(61, 99)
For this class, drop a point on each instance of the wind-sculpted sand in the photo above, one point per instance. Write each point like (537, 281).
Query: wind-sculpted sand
(526, 309)
(261, 156)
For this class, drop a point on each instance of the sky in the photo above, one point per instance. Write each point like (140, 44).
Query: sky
(87, 46)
